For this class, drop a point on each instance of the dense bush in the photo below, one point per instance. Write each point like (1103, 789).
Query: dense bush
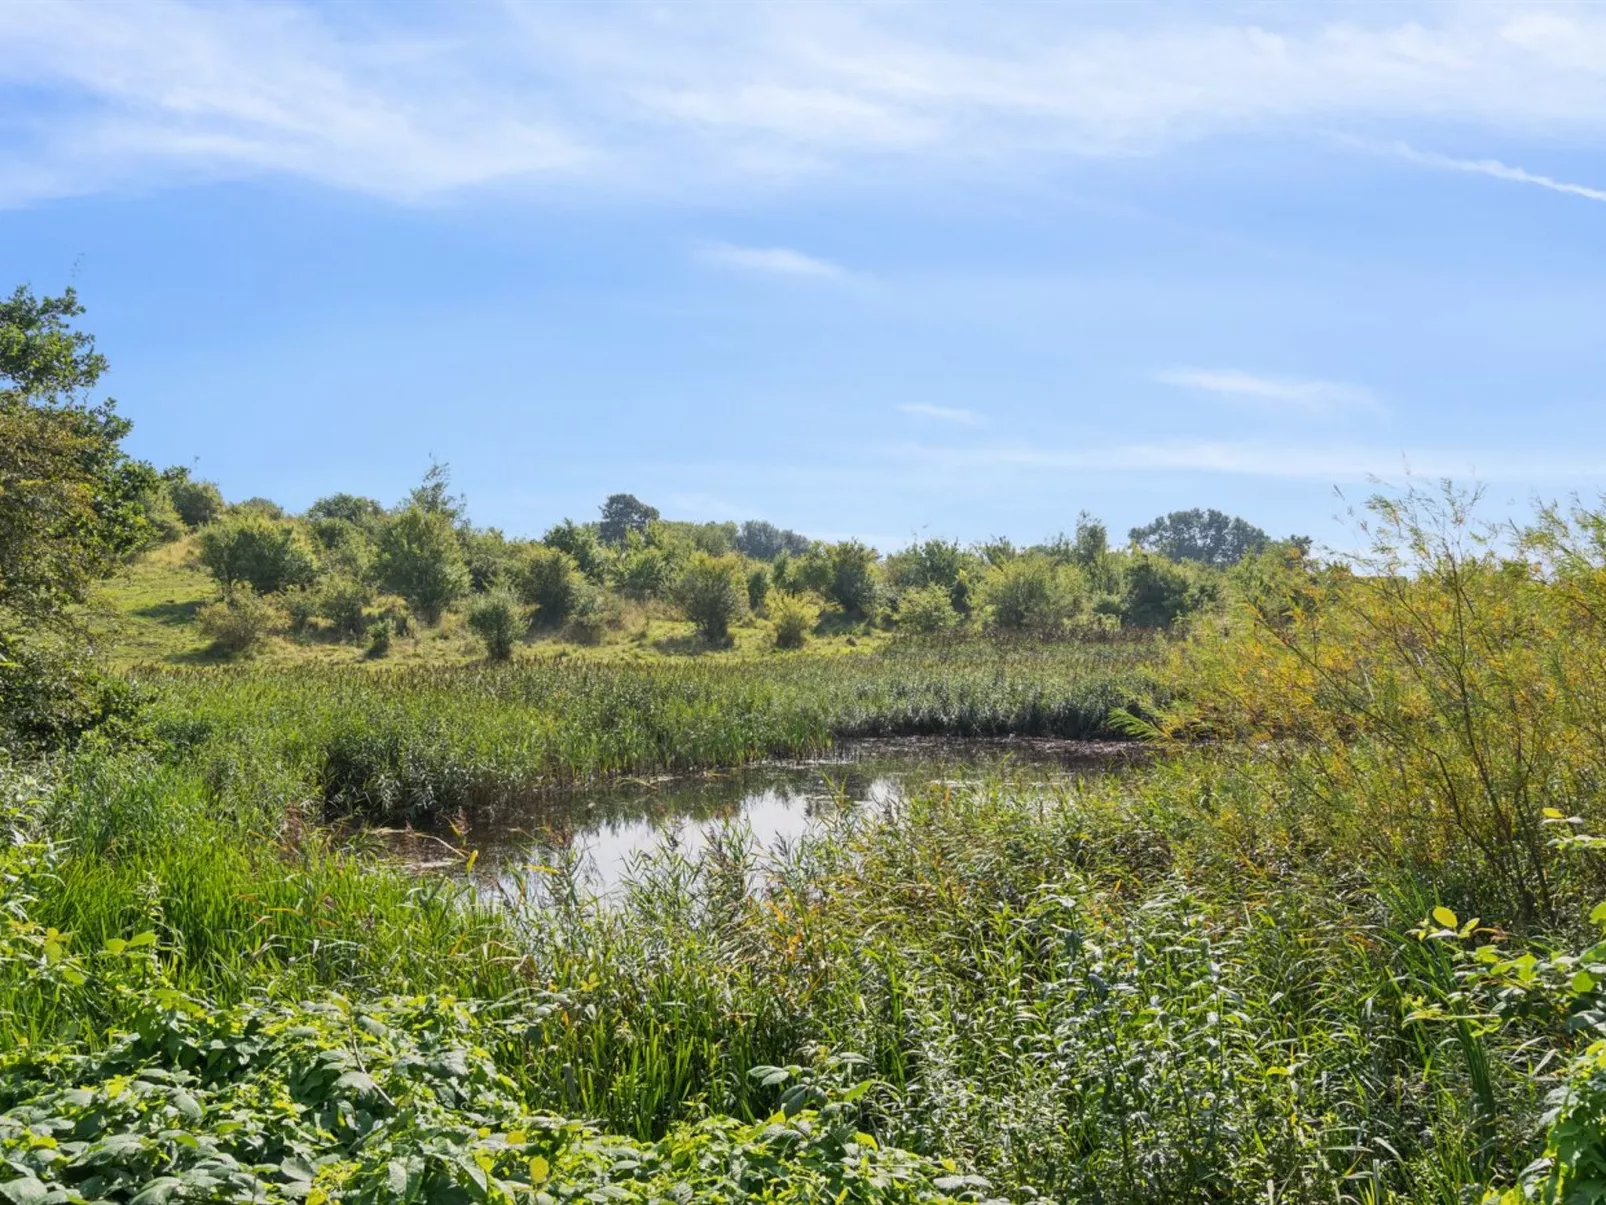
(197, 502)
(420, 558)
(240, 624)
(253, 550)
(342, 603)
(549, 580)
(497, 620)
(713, 594)
(1156, 593)
(794, 617)
(855, 583)
(927, 609)
(758, 586)
(1031, 593)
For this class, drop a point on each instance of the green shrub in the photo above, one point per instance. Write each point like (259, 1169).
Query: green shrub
(644, 571)
(496, 620)
(262, 553)
(392, 608)
(379, 637)
(240, 624)
(713, 593)
(51, 695)
(794, 618)
(1031, 593)
(927, 609)
(421, 559)
(197, 502)
(1157, 592)
(594, 613)
(341, 602)
(758, 586)
(855, 578)
(550, 581)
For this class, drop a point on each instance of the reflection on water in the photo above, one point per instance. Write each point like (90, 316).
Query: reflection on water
(607, 827)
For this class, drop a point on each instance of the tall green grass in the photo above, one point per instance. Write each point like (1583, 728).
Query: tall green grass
(416, 742)
(1101, 994)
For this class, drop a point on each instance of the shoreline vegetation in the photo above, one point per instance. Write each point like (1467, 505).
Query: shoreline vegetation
(1337, 940)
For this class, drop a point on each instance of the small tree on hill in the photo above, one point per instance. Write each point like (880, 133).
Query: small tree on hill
(495, 619)
(197, 502)
(550, 581)
(1207, 536)
(420, 558)
(250, 549)
(623, 514)
(713, 593)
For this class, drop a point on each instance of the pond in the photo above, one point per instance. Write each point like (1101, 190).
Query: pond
(606, 828)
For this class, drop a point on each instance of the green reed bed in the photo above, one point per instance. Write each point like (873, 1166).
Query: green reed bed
(1106, 994)
(420, 741)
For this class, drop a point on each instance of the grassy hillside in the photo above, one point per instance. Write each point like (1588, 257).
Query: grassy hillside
(147, 616)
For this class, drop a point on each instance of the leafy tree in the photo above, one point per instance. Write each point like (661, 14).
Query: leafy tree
(349, 508)
(794, 617)
(420, 558)
(266, 507)
(644, 570)
(764, 541)
(70, 497)
(433, 495)
(240, 624)
(1092, 541)
(252, 549)
(1207, 536)
(495, 619)
(926, 609)
(713, 593)
(1032, 593)
(758, 586)
(623, 514)
(854, 585)
(936, 563)
(550, 581)
(580, 541)
(1157, 592)
(197, 502)
(489, 556)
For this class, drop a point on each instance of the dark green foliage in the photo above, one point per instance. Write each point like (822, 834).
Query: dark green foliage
(794, 617)
(937, 563)
(581, 543)
(266, 507)
(550, 581)
(764, 541)
(51, 695)
(341, 602)
(197, 502)
(240, 624)
(926, 610)
(713, 593)
(623, 514)
(855, 577)
(758, 586)
(1206, 536)
(490, 558)
(72, 502)
(643, 570)
(420, 558)
(1032, 593)
(497, 620)
(348, 508)
(380, 633)
(252, 549)
(1156, 592)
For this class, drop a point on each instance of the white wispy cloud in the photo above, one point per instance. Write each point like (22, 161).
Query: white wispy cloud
(1312, 397)
(1326, 462)
(776, 261)
(944, 414)
(412, 102)
(1500, 171)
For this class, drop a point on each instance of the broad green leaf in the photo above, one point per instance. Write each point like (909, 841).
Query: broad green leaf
(1445, 919)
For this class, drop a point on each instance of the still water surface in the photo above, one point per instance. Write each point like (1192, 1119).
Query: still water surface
(608, 827)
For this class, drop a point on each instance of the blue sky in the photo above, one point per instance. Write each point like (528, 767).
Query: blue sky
(884, 270)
